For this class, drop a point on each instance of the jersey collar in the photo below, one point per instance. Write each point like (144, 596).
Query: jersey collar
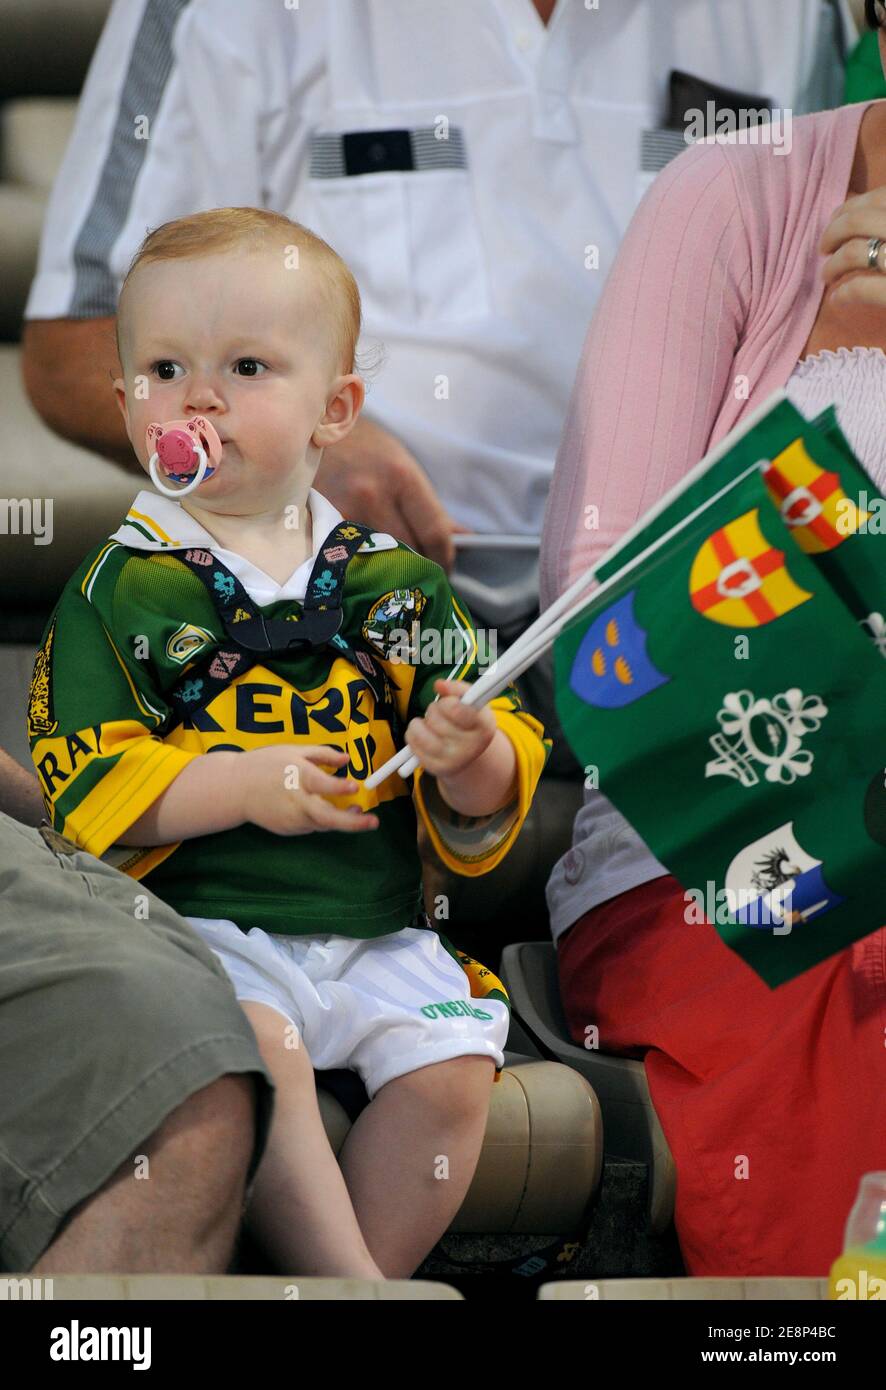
(160, 524)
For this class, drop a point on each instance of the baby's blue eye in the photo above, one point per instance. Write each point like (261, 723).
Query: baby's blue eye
(253, 363)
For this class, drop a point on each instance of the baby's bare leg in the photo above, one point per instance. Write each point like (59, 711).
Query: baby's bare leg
(300, 1208)
(410, 1157)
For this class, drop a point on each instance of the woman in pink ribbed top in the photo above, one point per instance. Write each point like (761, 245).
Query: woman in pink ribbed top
(773, 1102)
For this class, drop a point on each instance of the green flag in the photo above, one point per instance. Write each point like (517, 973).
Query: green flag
(732, 700)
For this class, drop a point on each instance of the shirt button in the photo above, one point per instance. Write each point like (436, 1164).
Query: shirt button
(524, 39)
(573, 865)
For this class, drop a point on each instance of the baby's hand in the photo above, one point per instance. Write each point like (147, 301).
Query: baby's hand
(284, 789)
(451, 734)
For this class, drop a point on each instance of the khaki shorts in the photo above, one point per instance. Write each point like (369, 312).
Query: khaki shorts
(112, 1013)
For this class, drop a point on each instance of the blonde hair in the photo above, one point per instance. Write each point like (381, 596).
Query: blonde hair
(255, 229)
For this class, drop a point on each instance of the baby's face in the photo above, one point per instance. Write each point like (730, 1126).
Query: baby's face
(248, 343)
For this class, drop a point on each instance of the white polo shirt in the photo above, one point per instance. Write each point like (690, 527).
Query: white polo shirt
(474, 168)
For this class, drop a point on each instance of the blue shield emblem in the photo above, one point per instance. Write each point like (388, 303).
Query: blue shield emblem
(773, 881)
(611, 667)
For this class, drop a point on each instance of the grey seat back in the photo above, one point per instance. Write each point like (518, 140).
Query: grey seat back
(631, 1128)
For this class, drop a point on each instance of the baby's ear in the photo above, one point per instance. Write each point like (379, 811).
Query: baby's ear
(342, 410)
(120, 396)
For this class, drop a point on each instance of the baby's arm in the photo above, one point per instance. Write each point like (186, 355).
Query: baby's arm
(109, 777)
(461, 745)
(478, 764)
(281, 787)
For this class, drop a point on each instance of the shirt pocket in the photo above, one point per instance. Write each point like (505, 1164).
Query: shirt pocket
(408, 228)
(658, 146)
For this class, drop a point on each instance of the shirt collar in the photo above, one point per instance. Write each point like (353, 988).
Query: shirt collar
(161, 524)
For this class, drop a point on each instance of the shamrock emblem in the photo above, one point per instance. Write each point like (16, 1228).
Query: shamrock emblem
(324, 583)
(765, 732)
(191, 691)
(223, 584)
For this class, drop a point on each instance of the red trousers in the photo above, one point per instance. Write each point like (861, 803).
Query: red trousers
(773, 1102)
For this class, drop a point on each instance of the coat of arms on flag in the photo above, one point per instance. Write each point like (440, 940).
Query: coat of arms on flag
(811, 500)
(773, 882)
(768, 733)
(741, 580)
(612, 667)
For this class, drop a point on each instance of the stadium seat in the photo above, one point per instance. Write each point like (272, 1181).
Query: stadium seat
(227, 1288)
(631, 1126)
(542, 1154)
(678, 1290)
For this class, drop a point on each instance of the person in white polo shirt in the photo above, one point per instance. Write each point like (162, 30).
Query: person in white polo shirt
(475, 162)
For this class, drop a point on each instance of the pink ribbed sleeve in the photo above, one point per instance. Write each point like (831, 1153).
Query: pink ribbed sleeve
(657, 363)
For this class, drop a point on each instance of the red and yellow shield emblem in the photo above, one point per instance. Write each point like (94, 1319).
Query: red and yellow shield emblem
(811, 500)
(739, 579)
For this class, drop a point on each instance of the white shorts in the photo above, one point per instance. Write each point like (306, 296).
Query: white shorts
(371, 1006)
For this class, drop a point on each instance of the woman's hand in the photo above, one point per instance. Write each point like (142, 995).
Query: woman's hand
(845, 243)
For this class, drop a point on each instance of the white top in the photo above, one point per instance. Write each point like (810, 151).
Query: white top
(854, 380)
(607, 857)
(155, 522)
(476, 266)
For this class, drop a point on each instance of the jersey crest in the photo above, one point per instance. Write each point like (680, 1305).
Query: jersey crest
(393, 619)
(186, 642)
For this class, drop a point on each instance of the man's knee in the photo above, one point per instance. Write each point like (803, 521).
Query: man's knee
(207, 1143)
(219, 1117)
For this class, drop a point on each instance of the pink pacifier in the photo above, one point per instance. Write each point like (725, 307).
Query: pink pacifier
(187, 450)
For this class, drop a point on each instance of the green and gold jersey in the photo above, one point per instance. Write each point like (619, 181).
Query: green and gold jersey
(106, 741)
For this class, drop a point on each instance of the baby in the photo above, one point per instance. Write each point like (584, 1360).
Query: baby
(216, 684)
